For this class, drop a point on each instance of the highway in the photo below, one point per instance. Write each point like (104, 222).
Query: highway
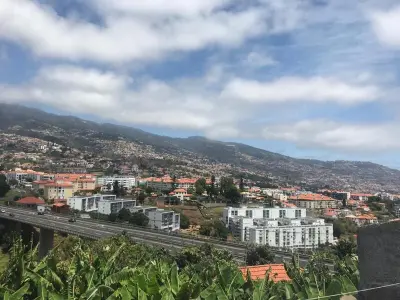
(97, 230)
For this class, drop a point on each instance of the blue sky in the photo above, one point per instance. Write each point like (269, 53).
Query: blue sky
(313, 79)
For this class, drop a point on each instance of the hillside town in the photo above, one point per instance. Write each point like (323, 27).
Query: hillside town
(282, 217)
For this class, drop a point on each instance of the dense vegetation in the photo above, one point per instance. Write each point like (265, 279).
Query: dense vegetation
(116, 268)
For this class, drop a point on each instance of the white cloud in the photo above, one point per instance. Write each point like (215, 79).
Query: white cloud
(159, 8)
(180, 104)
(258, 60)
(336, 135)
(294, 89)
(147, 30)
(386, 26)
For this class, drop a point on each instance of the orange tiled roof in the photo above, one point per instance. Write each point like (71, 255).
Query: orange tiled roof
(311, 197)
(277, 272)
(30, 200)
(180, 191)
(60, 184)
(43, 181)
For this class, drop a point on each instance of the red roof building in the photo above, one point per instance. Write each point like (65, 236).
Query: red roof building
(31, 201)
(276, 273)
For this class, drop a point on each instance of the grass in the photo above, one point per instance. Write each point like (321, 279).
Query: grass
(3, 261)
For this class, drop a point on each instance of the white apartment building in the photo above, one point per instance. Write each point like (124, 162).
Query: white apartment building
(159, 218)
(107, 207)
(126, 181)
(262, 213)
(291, 233)
(104, 204)
(277, 227)
(85, 204)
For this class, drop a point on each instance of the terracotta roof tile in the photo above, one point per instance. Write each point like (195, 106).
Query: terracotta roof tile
(277, 272)
(30, 200)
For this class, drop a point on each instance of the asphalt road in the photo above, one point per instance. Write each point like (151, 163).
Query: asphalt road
(98, 230)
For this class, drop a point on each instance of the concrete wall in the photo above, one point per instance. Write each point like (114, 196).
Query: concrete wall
(379, 260)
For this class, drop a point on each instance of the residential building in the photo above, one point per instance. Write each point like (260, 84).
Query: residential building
(31, 202)
(340, 195)
(86, 204)
(159, 218)
(362, 220)
(23, 175)
(396, 209)
(104, 204)
(360, 196)
(313, 201)
(290, 233)
(261, 213)
(106, 182)
(81, 182)
(277, 227)
(58, 190)
(181, 194)
(160, 184)
(165, 183)
(109, 206)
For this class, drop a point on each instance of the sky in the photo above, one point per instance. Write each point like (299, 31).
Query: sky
(306, 78)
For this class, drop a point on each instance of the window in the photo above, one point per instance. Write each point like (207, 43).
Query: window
(282, 213)
(298, 213)
(266, 214)
(249, 213)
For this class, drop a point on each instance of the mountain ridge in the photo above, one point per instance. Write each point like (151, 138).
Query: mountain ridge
(195, 151)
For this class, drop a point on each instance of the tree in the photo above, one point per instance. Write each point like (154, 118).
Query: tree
(139, 219)
(184, 221)
(200, 186)
(149, 190)
(214, 229)
(345, 247)
(233, 195)
(374, 199)
(344, 227)
(141, 197)
(241, 184)
(13, 182)
(124, 215)
(225, 184)
(259, 255)
(112, 217)
(173, 183)
(4, 187)
(116, 189)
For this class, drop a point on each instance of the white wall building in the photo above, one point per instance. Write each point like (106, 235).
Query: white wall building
(107, 207)
(126, 181)
(86, 204)
(262, 213)
(277, 227)
(159, 218)
(104, 204)
(291, 233)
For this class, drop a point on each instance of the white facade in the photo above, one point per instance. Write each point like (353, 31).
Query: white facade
(104, 204)
(306, 233)
(125, 181)
(84, 203)
(277, 227)
(262, 213)
(159, 218)
(107, 207)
